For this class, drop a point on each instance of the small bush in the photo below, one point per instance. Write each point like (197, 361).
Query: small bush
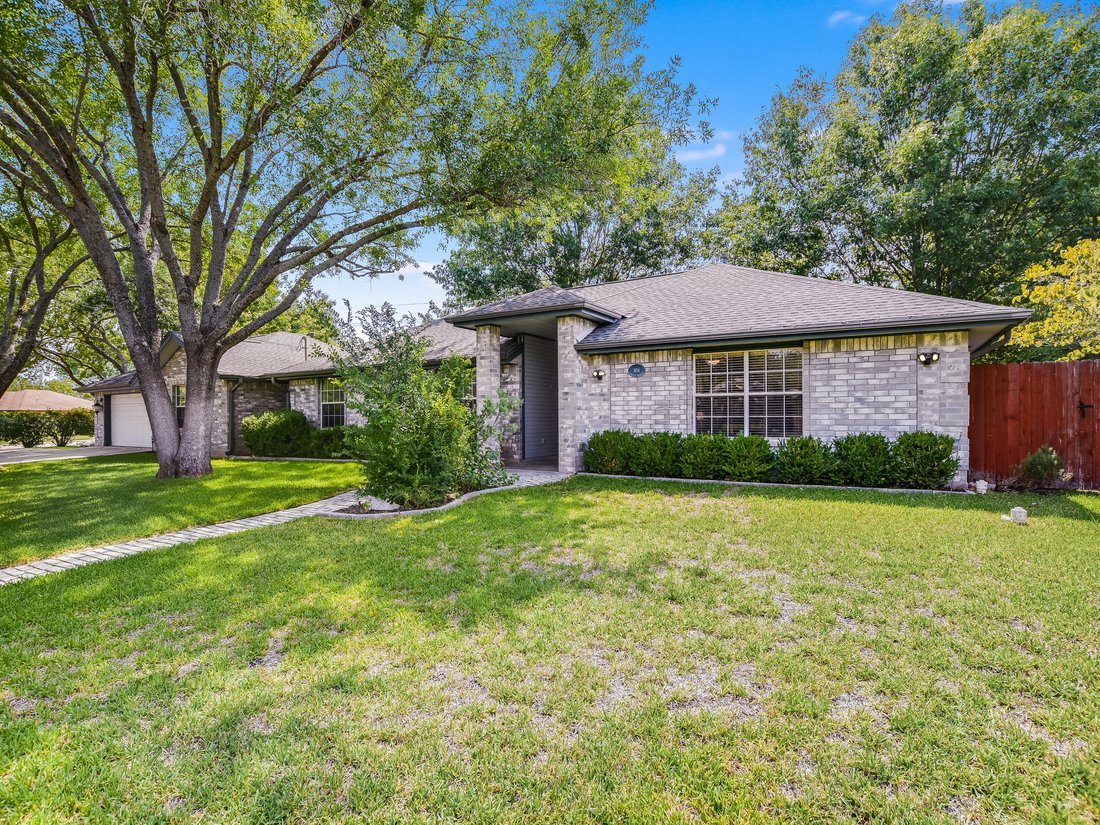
(656, 454)
(704, 455)
(277, 433)
(749, 458)
(610, 452)
(805, 459)
(1041, 469)
(28, 428)
(924, 460)
(67, 423)
(328, 443)
(863, 460)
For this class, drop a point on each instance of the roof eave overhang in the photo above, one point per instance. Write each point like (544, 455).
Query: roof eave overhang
(803, 334)
(584, 310)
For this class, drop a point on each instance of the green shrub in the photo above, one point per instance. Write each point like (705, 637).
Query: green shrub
(328, 443)
(67, 423)
(28, 428)
(656, 454)
(863, 460)
(1041, 469)
(9, 431)
(277, 433)
(423, 442)
(924, 460)
(748, 458)
(704, 455)
(610, 452)
(804, 459)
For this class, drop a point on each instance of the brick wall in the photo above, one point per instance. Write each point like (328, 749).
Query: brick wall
(876, 385)
(659, 400)
(511, 381)
(253, 398)
(582, 400)
(304, 395)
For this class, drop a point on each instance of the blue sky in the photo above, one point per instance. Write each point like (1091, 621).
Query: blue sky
(736, 51)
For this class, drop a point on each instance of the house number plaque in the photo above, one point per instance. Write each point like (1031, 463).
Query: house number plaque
(636, 370)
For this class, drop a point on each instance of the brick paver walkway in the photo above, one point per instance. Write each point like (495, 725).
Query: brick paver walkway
(326, 507)
(91, 555)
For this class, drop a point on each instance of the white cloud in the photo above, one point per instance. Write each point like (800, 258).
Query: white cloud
(712, 152)
(725, 135)
(843, 17)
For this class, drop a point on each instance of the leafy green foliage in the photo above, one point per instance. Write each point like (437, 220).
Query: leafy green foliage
(423, 442)
(703, 455)
(1066, 295)
(27, 428)
(1040, 469)
(954, 150)
(924, 460)
(287, 434)
(805, 459)
(863, 460)
(65, 424)
(749, 458)
(610, 452)
(656, 455)
(650, 218)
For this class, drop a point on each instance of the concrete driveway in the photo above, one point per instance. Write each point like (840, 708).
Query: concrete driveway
(23, 455)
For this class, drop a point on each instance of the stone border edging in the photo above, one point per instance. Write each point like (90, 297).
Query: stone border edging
(785, 486)
(519, 484)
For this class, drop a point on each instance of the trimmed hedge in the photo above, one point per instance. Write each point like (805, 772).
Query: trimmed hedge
(287, 434)
(920, 460)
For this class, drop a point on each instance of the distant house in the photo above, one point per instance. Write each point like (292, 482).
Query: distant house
(725, 349)
(41, 401)
(716, 349)
(274, 371)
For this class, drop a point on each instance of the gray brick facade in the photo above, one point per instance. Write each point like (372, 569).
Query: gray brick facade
(872, 384)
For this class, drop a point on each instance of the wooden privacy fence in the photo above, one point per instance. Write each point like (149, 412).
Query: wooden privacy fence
(1017, 408)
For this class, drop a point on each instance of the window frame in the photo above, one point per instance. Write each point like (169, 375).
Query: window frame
(179, 401)
(328, 420)
(746, 393)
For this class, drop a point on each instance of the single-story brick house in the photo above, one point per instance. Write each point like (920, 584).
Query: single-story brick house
(718, 348)
(264, 372)
(728, 349)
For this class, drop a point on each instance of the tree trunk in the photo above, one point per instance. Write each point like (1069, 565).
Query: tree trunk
(191, 457)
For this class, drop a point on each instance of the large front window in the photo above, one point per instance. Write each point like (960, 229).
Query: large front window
(332, 404)
(757, 392)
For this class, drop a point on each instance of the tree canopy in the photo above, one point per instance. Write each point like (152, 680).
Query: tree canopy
(955, 149)
(1066, 296)
(242, 146)
(649, 218)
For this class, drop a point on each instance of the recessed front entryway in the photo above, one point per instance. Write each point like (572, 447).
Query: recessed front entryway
(540, 398)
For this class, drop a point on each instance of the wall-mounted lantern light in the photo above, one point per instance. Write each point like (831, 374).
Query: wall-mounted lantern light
(928, 358)
(598, 374)
(98, 405)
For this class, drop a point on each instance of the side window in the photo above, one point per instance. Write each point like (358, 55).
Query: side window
(179, 398)
(332, 404)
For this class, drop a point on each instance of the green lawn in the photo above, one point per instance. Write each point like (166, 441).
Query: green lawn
(49, 507)
(595, 651)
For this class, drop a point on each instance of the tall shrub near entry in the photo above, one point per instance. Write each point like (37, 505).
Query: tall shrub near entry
(610, 452)
(423, 442)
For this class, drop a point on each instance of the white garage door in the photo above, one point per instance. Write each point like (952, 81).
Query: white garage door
(129, 422)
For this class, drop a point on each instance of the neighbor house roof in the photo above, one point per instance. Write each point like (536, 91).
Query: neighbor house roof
(41, 401)
(721, 303)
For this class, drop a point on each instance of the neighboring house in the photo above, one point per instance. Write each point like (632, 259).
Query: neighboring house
(273, 371)
(41, 401)
(725, 349)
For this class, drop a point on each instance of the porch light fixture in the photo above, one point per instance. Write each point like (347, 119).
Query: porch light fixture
(928, 358)
(598, 374)
(98, 406)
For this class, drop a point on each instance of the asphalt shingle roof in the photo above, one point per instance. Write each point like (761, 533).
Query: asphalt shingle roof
(724, 302)
(41, 401)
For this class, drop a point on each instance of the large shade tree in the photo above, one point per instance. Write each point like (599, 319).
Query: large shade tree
(40, 259)
(957, 146)
(237, 146)
(647, 218)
